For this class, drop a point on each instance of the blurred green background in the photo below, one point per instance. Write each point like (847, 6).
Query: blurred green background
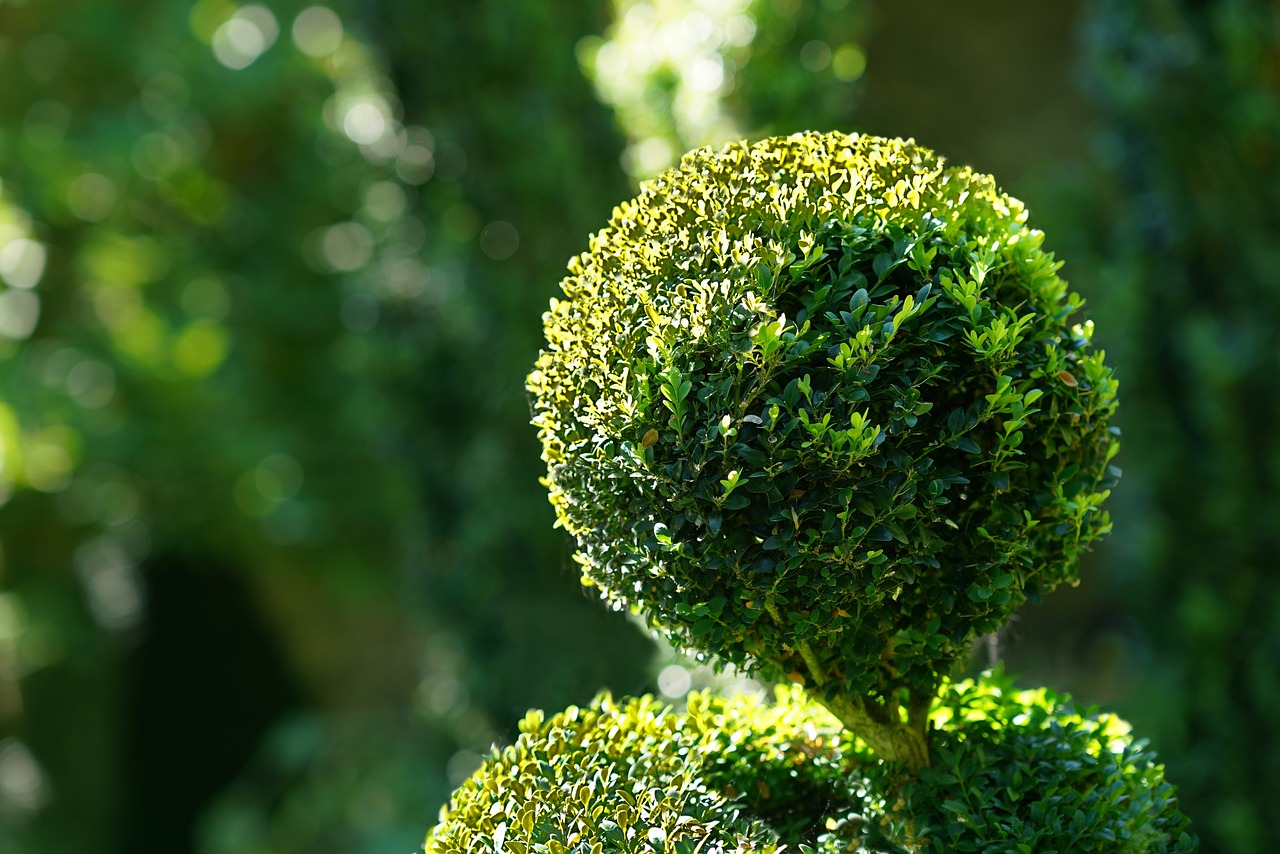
(275, 568)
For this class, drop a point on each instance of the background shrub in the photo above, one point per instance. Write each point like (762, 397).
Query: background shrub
(1187, 205)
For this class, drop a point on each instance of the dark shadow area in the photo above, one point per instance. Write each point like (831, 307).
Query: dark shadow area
(203, 686)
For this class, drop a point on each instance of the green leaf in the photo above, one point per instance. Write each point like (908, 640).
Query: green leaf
(882, 264)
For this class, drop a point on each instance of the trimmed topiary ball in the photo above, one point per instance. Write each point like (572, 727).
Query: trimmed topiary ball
(726, 775)
(1031, 771)
(1015, 771)
(816, 406)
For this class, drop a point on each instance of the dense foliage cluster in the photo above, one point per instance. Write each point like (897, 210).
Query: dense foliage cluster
(639, 776)
(815, 406)
(1016, 771)
(1030, 771)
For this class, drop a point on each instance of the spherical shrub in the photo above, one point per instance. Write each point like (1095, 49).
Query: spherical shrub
(726, 775)
(1015, 771)
(815, 406)
(1032, 771)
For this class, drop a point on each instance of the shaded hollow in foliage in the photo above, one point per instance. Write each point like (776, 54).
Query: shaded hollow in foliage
(815, 406)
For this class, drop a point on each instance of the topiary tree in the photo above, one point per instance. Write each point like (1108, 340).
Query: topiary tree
(814, 407)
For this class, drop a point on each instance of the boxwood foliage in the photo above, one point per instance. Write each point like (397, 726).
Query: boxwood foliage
(815, 406)
(1030, 771)
(725, 775)
(1015, 771)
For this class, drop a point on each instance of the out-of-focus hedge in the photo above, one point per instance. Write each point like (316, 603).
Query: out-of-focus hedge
(217, 194)
(1184, 223)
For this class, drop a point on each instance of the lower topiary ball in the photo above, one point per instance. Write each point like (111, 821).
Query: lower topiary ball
(1013, 771)
(1030, 771)
(815, 406)
(725, 775)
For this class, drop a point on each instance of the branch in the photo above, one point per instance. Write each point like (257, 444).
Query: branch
(806, 651)
(918, 712)
(892, 741)
(882, 729)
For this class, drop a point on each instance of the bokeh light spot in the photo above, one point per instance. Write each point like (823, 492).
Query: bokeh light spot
(385, 201)
(267, 489)
(91, 384)
(143, 337)
(849, 62)
(445, 697)
(156, 155)
(740, 30)
(19, 313)
(462, 765)
(347, 246)
(200, 349)
(47, 459)
(405, 277)
(165, 95)
(115, 503)
(207, 15)
(647, 156)
(91, 197)
(416, 162)
(22, 262)
(264, 19)
(746, 685)
(124, 261)
(704, 74)
(244, 37)
(815, 56)
(10, 454)
(317, 31)
(364, 122)
(237, 43)
(52, 363)
(674, 681)
(116, 306)
(111, 582)
(23, 789)
(499, 240)
(278, 477)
